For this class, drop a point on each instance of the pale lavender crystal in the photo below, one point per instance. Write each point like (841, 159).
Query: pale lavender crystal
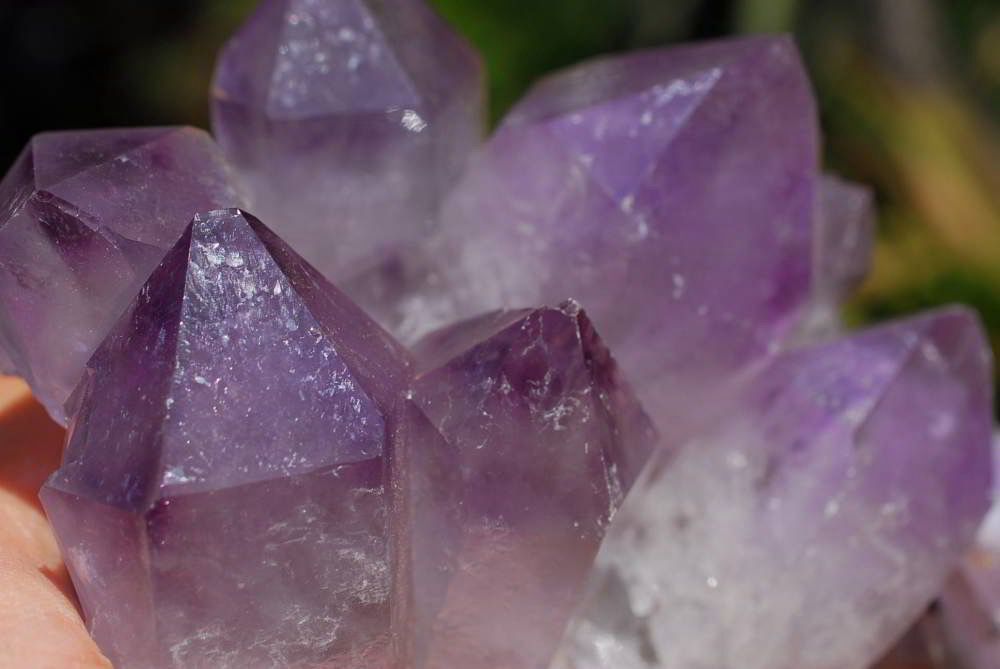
(813, 524)
(671, 192)
(84, 218)
(224, 500)
(547, 439)
(349, 120)
(844, 237)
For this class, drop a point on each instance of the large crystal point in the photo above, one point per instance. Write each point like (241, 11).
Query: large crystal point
(547, 441)
(810, 528)
(224, 500)
(349, 119)
(671, 192)
(84, 218)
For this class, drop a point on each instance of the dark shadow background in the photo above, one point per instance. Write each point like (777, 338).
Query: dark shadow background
(909, 92)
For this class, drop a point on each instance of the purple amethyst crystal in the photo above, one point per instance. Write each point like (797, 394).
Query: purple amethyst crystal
(547, 440)
(258, 475)
(84, 218)
(224, 499)
(811, 526)
(671, 192)
(349, 119)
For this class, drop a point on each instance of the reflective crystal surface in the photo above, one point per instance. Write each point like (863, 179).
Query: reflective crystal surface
(84, 218)
(348, 120)
(636, 184)
(258, 475)
(548, 439)
(814, 523)
(224, 498)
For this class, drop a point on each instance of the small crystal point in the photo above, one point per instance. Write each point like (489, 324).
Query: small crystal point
(637, 184)
(811, 527)
(84, 218)
(844, 241)
(349, 119)
(224, 499)
(547, 440)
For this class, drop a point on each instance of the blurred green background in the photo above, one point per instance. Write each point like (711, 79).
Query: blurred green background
(909, 91)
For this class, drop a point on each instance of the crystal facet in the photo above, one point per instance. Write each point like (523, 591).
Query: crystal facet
(84, 218)
(812, 526)
(224, 497)
(548, 439)
(349, 119)
(671, 192)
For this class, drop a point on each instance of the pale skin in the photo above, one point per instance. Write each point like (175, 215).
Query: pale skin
(40, 623)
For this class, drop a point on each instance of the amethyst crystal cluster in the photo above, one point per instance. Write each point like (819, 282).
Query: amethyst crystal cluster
(581, 400)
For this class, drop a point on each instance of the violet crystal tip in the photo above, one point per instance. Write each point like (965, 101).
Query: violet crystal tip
(350, 119)
(636, 183)
(547, 439)
(84, 217)
(815, 523)
(223, 500)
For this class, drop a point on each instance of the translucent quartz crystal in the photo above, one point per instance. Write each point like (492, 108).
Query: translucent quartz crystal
(253, 477)
(844, 237)
(811, 526)
(84, 218)
(548, 439)
(349, 119)
(224, 500)
(671, 192)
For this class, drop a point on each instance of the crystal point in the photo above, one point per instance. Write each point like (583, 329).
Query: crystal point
(636, 184)
(84, 218)
(844, 236)
(811, 527)
(547, 439)
(349, 119)
(224, 498)
(844, 232)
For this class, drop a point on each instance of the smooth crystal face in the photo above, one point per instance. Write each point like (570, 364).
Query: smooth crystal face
(84, 218)
(812, 525)
(547, 440)
(638, 185)
(224, 499)
(349, 119)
